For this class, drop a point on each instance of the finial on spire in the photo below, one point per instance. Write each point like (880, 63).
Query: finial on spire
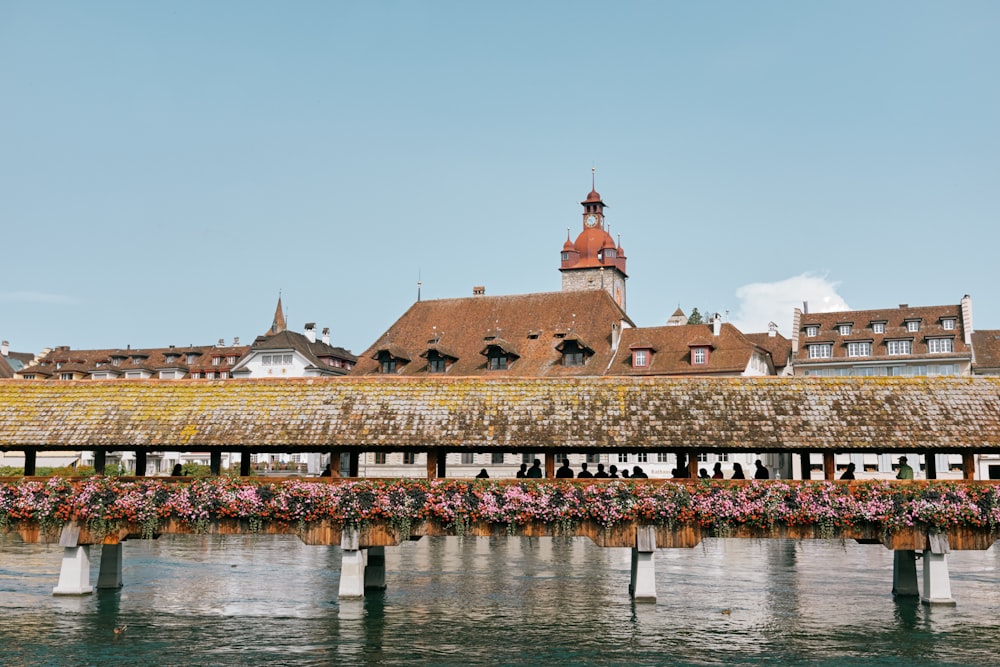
(593, 178)
(419, 284)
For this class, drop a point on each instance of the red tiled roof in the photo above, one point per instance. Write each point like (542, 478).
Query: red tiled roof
(986, 344)
(672, 344)
(532, 325)
(777, 345)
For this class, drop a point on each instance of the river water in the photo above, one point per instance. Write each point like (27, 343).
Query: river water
(271, 600)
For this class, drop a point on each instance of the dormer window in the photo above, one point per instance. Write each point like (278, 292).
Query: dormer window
(878, 327)
(216, 361)
(500, 355)
(844, 329)
(190, 358)
(497, 360)
(699, 356)
(812, 330)
(116, 361)
(572, 353)
(948, 323)
(169, 358)
(641, 358)
(821, 351)
(913, 325)
(436, 362)
(387, 364)
(938, 345)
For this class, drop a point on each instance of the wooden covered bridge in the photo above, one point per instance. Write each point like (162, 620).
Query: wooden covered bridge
(796, 417)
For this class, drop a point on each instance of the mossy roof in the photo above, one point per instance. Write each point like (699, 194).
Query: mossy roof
(722, 414)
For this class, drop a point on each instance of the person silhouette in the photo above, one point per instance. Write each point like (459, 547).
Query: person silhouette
(522, 473)
(717, 472)
(601, 472)
(761, 472)
(535, 471)
(483, 474)
(178, 471)
(849, 472)
(584, 472)
(564, 472)
(738, 472)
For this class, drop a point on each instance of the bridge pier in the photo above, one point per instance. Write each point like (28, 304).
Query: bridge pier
(937, 582)
(904, 573)
(360, 569)
(110, 573)
(643, 582)
(375, 569)
(74, 575)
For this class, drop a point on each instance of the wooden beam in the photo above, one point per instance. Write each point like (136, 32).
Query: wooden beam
(140, 462)
(352, 463)
(442, 463)
(692, 465)
(245, 462)
(100, 461)
(550, 465)
(30, 457)
(968, 465)
(930, 465)
(806, 463)
(829, 466)
(334, 463)
(215, 462)
(432, 465)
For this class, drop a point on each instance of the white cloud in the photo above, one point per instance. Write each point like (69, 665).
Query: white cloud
(36, 297)
(761, 303)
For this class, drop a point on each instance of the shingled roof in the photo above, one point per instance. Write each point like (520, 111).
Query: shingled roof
(986, 346)
(531, 325)
(577, 414)
(730, 350)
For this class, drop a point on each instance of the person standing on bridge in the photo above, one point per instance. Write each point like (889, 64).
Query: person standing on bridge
(601, 472)
(905, 471)
(762, 472)
(535, 471)
(584, 472)
(564, 472)
(523, 472)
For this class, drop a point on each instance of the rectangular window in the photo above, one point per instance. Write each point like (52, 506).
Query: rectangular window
(913, 325)
(859, 349)
(642, 457)
(468, 458)
(216, 361)
(699, 356)
(496, 458)
(724, 457)
(812, 331)
(389, 366)
(498, 363)
(66, 376)
(436, 365)
(593, 458)
(878, 327)
(821, 351)
(661, 457)
(409, 458)
(936, 345)
(528, 458)
(948, 324)
(380, 458)
(702, 458)
(573, 359)
(265, 360)
(640, 358)
(223, 375)
(845, 329)
(231, 360)
(622, 457)
(898, 346)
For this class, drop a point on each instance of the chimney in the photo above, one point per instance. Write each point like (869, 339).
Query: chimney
(479, 290)
(967, 329)
(311, 332)
(222, 342)
(716, 324)
(772, 329)
(236, 341)
(904, 305)
(4, 348)
(326, 335)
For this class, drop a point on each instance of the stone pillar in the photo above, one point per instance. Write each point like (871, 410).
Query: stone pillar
(829, 466)
(904, 573)
(100, 461)
(74, 575)
(215, 462)
(937, 583)
(550, 465)
(30, 456)
(140, 462)
(352, 566)
(375, 569)
(110, 574)
(643, 583)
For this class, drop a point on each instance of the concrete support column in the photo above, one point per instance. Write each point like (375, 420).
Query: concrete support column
(215, 462)
(140, 462)
(643, 582)
(100, 461)
(829, 466)
(30, 456)
(375, 569)
(937, 583)
(110, 574)
(74, 575)
(550, 465)
(245, 463)
(806, 463)
(968, 465)
(904, 573)
(352, 566)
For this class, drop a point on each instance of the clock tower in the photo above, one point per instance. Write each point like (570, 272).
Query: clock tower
(594, 260)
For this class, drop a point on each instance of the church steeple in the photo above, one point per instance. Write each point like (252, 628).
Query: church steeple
(278, 323)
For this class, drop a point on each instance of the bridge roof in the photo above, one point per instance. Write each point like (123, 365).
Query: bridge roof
(723, 414)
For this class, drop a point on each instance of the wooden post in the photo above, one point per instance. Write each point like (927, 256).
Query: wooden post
(968, 465)
(806, 465)
(930, 465)
(245, 457)
(215, 462)
(140, 462)
(30, 456)
(550, 465)
(442, 463)
(100, 460)
(432, 455)
(352, 464)
(692, 465)
(829, 466)
(334, 463)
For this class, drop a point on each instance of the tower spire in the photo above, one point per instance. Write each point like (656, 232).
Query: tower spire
(278, 323)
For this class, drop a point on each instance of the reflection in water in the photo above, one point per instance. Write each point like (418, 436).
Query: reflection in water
(235, 600)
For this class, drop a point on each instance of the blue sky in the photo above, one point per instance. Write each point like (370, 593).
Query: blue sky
(167, 168)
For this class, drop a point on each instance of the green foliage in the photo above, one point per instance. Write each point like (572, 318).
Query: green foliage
(695, 317)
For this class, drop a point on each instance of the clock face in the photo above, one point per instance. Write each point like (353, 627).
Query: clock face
(591, 220)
